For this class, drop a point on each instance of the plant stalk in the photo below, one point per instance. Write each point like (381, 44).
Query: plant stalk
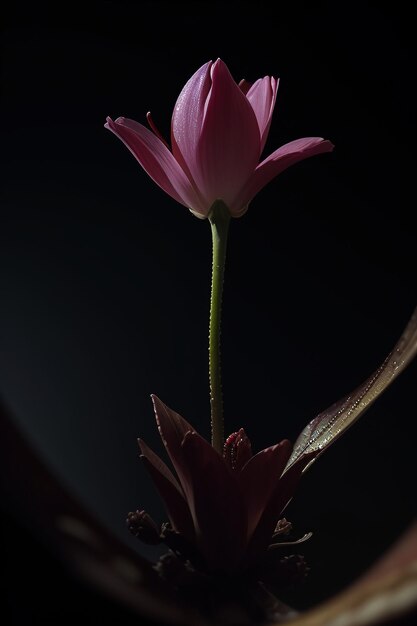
(219, 220)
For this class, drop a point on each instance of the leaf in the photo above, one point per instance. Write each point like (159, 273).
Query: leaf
(283, 544)
(329, 425)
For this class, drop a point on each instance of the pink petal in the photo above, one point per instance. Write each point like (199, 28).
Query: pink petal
(170, 491)
(173, 428)
(262, 96)
(278, 500)
(277, 162)
(187, 119)
(157, 161)
(216, 504)
(221, 147)
(259, 477)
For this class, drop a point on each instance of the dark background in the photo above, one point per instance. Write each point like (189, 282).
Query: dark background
(105, 279)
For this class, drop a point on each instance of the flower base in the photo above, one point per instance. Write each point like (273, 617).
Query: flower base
(220, 598)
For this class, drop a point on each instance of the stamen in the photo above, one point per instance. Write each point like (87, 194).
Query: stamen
(245, 86)
(155, 129)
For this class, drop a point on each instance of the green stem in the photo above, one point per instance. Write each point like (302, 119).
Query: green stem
(219, 220)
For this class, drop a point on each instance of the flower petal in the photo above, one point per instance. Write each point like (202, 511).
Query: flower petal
(217, 134)
(229, 146)
(157, 161)
(277, 162)
(259, 478)
(280, 497)
(173, 428)
(170, 491)
(216, 504)
(262, 96)
(187, 119)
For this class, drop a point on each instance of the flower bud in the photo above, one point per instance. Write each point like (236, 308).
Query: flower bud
(237, 450)
(283, 527)
(142, 526)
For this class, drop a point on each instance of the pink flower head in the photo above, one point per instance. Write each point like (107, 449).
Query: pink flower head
(218, 132)
(226, 506)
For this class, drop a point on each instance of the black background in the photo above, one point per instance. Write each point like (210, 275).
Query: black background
(105, 279)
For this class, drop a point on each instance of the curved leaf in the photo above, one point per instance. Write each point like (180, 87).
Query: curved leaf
(329, 425)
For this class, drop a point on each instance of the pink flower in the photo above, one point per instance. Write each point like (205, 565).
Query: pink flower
(218, 132)
(226, 507)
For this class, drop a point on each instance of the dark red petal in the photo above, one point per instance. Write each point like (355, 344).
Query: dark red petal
(169, 490)
(173, 428)
(216, 504)
(278, 500)
(259, 478)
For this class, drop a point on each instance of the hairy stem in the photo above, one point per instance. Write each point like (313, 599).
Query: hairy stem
(219, 220)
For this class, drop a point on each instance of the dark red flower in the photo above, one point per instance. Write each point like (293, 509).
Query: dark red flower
(226, 506)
